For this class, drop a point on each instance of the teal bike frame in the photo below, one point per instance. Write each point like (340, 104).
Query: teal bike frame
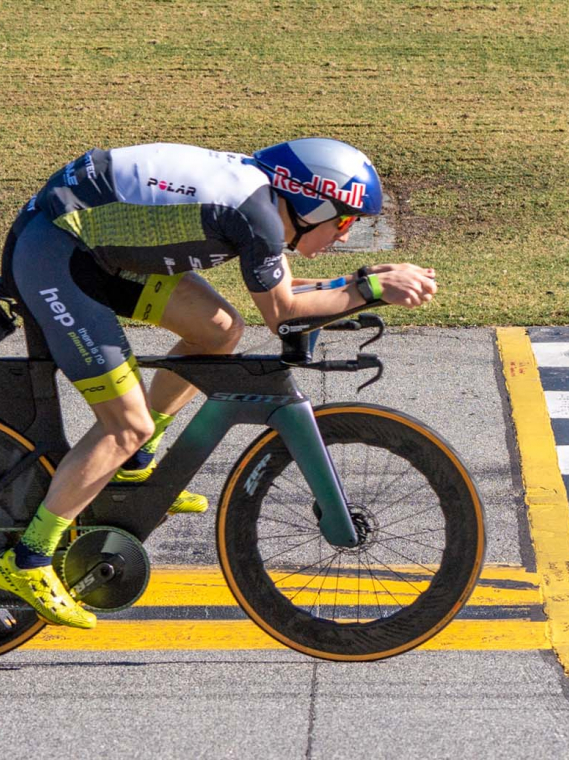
(240, 389)
(254, 390)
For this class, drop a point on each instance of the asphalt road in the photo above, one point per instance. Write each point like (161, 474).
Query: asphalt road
(496, 697)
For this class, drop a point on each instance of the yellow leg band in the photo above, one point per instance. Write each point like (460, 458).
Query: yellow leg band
(154, 297)
(112, 384)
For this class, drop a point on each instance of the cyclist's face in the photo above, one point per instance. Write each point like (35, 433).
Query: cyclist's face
(326, 234)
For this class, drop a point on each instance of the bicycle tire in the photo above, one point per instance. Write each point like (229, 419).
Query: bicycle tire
(19, 498)
(412, 573)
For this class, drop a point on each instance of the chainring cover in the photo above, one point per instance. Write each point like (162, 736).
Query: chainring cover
(107, 545)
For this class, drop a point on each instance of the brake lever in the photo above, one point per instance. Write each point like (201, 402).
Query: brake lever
(370, 382)
(371, 320)
(372, 361)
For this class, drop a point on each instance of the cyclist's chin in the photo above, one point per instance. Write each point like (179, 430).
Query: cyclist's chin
(310, 254)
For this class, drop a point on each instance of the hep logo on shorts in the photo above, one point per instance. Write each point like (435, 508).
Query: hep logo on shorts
(60, 310)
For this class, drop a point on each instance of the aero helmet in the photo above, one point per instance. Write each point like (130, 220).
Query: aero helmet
(320, 179)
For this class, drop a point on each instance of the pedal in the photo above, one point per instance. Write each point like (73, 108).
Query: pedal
(106, 568)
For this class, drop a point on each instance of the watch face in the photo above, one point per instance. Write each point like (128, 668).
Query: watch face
(365, 289)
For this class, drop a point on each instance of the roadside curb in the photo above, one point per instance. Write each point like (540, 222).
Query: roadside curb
(545, 494)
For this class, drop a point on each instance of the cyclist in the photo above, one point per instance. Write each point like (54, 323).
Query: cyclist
(125, 231)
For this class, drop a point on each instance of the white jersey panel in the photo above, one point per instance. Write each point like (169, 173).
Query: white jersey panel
(165, 173)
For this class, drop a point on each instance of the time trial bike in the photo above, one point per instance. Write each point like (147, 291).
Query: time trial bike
(348, 531)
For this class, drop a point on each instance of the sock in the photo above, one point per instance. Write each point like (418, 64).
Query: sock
(146, 453)
(39, 542)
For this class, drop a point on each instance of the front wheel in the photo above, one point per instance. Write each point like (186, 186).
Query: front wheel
(420, 524)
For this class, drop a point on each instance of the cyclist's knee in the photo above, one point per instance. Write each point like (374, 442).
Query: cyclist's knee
(220, 335)
(230, 332)
(202, 317)
(126, 421)
(134, 434)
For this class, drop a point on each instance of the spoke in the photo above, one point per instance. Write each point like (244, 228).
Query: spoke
(290, 535)
(287, 506)
(309, 582)
(393, 537)
(409, 559)
(373, 581)
(383, 489)
(394, 572)
(294, 483)
(369, 470)
(360, 477)
(301, 528)
(289, 549)
(284, 535)
(413, 514)
(323, 581)
(403, 497)
(382, 584)
(300, 570)
(417, 532)
(336, 594)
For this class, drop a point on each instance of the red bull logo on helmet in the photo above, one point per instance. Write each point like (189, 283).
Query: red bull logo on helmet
(319, 187)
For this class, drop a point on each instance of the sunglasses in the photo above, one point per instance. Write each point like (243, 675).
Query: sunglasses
(345, 222)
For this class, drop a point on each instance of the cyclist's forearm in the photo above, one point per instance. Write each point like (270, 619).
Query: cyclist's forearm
(280, 304)
(352, 277)
(297, 281)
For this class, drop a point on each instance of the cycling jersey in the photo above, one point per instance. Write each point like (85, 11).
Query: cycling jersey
(166, 208)
(114, 231)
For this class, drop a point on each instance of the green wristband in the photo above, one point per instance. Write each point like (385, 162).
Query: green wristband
(375, 285)
(370, 288)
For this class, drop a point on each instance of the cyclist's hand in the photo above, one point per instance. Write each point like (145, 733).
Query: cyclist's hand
(408, 286)
(379, 268)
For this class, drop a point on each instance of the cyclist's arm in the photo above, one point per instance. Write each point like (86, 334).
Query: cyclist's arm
(279, 303)
(403, 287)
(374, 268)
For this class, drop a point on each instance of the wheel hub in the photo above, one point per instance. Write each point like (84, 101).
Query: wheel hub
(365, 524)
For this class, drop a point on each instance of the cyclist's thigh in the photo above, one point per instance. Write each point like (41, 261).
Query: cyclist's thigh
(84, 335)
(199, 314)
(183, 303)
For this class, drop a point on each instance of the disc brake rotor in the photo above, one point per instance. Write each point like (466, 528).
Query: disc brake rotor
(107, 568)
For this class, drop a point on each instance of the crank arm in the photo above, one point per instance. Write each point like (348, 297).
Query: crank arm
(98, 576)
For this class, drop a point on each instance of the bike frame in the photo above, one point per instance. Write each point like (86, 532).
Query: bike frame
(252, 390)
(258, 390)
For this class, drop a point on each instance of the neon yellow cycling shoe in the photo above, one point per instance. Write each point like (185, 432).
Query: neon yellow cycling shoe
(188, 502)
(41, 588)
(185, 503)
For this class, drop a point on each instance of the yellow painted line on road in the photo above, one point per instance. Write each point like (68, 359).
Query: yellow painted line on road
(185, 585)
(501, 586)
(135, 635)
(545, 492)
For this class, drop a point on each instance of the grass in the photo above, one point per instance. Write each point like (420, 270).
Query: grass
(462, 106)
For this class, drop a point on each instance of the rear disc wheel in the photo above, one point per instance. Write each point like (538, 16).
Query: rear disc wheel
(24, 480)
(119, 561)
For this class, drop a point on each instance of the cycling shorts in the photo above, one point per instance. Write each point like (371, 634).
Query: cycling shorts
(75, 302)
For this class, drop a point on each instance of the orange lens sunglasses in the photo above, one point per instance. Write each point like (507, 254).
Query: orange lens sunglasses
(345, 222)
